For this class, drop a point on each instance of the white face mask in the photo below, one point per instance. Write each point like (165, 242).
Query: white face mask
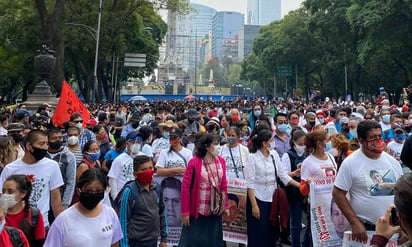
(72, 140)
(334, 152)
(79, 125)
(300, 149)
(216, 150)
(10, 199)
(134, 150)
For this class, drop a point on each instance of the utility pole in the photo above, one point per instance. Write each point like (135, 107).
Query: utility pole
(94, 91)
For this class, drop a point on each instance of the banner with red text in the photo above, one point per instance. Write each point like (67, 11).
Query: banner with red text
(234, 226)
(327, 221)
(68, 104)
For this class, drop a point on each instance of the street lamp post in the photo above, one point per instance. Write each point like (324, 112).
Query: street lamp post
(93, 95)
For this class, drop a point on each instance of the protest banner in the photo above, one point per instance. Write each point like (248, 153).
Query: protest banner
(171, 197)
(328, 224)
(349, 241)
(234, 226)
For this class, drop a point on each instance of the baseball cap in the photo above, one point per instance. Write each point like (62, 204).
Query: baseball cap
(176, 132)
(92, 121)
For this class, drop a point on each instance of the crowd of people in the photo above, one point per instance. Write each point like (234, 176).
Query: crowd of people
(90, 181)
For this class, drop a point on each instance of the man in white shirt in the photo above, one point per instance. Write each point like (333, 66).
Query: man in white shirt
(47, 175)
(356, 177)
(121, 170)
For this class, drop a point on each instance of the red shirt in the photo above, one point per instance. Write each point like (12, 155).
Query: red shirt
(5, 239)
(15, 219)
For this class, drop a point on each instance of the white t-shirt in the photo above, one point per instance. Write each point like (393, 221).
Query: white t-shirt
(313, 167)
(171, 159)
(147, 149)
(47, 178)
(73, 229)
(395, 149)
(160, 144)
(237, 157)
(355, 177)
(122, 170)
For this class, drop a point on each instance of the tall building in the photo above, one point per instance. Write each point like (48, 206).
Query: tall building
(247, 35)
(201, 24)
(225, 28)
(263, 12)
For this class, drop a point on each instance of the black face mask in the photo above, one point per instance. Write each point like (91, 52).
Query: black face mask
(17, 138)
(312, 124)
(55, 145)
(38, 153)
(135, 125)
(90, 200)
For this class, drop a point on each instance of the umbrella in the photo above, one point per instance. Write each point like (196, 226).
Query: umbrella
(190, 96)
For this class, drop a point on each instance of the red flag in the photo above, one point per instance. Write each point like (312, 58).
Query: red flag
(68, 104)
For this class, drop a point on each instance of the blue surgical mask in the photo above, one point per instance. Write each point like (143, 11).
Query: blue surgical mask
(354, 133)
(328, 146)
(257, 113)
(386, 118)
(321, 120)
(284, 128)
(94, 156)
(399, 137)
(166, 134)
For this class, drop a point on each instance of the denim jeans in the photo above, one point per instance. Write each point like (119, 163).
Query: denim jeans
(295, 210)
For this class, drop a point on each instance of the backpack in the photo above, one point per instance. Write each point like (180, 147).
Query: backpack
(134, 191)
(15, 237)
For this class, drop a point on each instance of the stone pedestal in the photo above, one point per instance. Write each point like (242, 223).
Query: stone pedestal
(41, 94)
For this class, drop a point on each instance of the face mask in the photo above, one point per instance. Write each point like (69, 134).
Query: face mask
(334, 152)
(294, 121)
(17, 138)
(354, 133)
(400, 137)
(386, 118)
(284, 128)
(376, 146)
(166, 134)
(134, 149)
(55, 145)
(235, 118)
(216, 150)
(72, 140)
(312, 123)
(93, 156)
(90, 200)
(174, 142)
(38, 153)
(257, 113)
(300, 149)
(79, 125)
(10, 199)
(135, 125)
(328, 146)
(145, 177)
(232, 140)
(2, 225)
(410, 121)
(321, 120)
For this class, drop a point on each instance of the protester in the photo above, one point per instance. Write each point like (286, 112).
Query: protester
(20, 214)
(282, 134)
(102, 140)
(113, 153)
(8, 152)
(6, 232)
(47, 175)
(145, 220)
(15, 131)
(76, 120)
(91, 155)
(203, 200)
(261, 173)
(352, 179)
(88, 222)
(73, 135)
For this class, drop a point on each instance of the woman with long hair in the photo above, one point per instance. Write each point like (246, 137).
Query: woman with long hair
(20, 214)
(340, 149)
(102, 140)
(88, 222)
(8, 152)
(91, 155)
(262, 172)
(292, 162)
(204, 195)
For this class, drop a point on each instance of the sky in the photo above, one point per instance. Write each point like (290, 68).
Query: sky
(241, 5)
